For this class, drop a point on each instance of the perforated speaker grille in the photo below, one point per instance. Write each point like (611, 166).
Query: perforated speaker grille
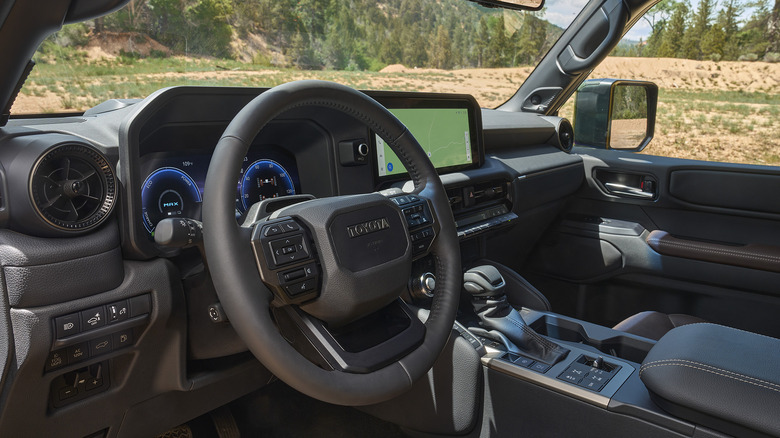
(73, 187)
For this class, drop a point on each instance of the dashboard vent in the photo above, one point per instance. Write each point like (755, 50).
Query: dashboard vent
(73, 187)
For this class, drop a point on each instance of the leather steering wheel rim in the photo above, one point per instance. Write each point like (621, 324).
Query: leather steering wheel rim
(236, 278)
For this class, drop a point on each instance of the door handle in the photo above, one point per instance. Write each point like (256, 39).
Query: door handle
(622, 189)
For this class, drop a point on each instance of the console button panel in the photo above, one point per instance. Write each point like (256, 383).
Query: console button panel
(590, 373)
(79, 384)
(94, 332)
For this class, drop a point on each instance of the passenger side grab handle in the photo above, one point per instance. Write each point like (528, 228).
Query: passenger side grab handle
(763, 257)
(610, 18)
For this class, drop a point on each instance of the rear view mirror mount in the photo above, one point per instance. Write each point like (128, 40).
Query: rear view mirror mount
(615, 114)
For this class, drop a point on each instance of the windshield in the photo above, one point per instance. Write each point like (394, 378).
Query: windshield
(451, 46)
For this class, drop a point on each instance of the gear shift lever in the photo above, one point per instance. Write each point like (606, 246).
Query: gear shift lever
(485, 284)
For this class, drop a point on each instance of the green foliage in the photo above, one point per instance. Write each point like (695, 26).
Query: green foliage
(713, 31)
(629, 102)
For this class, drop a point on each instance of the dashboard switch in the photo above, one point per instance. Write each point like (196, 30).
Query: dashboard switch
(67, 325)
(78, 352)
(353, 152)
(101, 345)
(140, 305)
(123, 339)
(118, 311)
(93, 318)
(56, 359)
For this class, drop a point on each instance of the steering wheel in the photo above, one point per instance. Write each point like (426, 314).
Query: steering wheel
(349, 257)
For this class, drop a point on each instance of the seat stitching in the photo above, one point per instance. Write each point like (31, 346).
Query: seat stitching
(650, 365)
(732, 328)
(717, 251)
(712, 372)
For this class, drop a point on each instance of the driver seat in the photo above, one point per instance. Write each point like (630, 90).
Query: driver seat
(654, 325)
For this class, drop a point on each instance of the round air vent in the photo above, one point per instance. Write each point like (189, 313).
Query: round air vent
(73, 187)
(565, 135)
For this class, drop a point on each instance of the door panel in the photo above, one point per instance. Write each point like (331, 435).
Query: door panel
(718, 255)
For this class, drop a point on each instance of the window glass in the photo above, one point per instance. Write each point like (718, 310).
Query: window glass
(716, 66)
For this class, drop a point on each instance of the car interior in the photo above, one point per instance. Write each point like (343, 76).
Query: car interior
(356, 282)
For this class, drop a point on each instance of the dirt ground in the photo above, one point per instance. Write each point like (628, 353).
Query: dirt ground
(698, 128)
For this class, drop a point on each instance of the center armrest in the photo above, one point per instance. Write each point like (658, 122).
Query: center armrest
(719, 377)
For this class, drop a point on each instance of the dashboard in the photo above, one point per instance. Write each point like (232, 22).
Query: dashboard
(316, 151)
(147, 160)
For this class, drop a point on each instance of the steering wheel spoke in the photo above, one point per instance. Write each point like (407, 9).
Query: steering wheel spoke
(287, 260)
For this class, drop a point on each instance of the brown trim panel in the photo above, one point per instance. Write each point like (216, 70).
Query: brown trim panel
(754, 256)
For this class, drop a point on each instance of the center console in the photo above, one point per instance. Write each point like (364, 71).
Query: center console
(596, 382)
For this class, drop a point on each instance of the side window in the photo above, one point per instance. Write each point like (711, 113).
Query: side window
(717, 67)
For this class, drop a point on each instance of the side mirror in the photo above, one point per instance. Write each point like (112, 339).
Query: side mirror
(615, 114)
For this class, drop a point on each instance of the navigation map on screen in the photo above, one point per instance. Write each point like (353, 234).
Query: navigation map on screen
(443, 134)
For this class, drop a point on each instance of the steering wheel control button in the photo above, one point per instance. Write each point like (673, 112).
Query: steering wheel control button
(400, 200)
(288, 250)
(56, 359)
(299, 288)
(289, 276)
(67, 325)
(272, 230)
(93, 318)
(289, 226)
(417, 215)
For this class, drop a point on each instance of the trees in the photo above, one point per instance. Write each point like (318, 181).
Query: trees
(773, 29)
(672, 39)
(441, 52)
(529, 40)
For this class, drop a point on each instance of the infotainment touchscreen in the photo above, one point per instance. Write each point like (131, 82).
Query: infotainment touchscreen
(444, 134)
(446, 130)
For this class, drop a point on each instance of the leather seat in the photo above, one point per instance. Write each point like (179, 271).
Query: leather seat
(653, 324)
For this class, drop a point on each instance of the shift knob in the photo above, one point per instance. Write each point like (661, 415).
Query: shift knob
(483, 281)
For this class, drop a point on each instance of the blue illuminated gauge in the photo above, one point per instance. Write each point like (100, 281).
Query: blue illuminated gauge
(168, 192)
(264, 179)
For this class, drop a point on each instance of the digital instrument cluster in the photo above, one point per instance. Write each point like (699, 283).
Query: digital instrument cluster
(174, 183)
